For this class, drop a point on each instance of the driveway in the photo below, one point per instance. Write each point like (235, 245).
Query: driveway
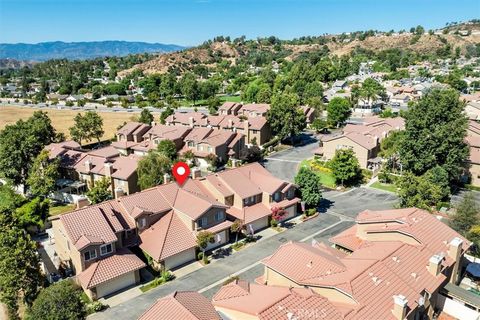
(337, 213)
(284, 164)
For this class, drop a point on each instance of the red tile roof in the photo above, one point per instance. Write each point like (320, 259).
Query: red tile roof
(167, 237)
(109, 268)
(186, 305)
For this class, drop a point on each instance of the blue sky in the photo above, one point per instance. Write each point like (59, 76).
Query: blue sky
(190, 22)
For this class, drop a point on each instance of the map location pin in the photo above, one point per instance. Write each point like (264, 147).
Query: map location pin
(180, 171)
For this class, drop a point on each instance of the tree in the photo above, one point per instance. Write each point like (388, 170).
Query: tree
(319, 125)
(43, 175)
(310, 186)
(370, 90)
(338, 111)
(168, 149)
(165, 114)
(252, 154)
(60, 301)
(146, 117)
(285, 117)
(20, 144)
(204, 238)
(345, 167)
(19, 266)
(32, 213)
(189, 87)
(87, 127)
(466, 215)
(213, 103)
(438, 176)
(278, 213)
(237, 227)
(100, 191)
(151, 169)
(435, 130)
(417, 191)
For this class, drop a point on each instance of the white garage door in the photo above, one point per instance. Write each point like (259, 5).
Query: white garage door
(220, 238)
(179, 259)
(259, 224)
(115, 284)
(291, 211)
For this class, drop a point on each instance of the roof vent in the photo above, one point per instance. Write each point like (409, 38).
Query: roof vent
(309, 265)
(414, 275)
(396, 259)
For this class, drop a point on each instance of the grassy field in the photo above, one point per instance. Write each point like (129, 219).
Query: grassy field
(63, 119)
(384, 186)
(198, 103)
(60, 209)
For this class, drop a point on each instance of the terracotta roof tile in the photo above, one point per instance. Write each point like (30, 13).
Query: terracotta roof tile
(122, 262)
(186, 305)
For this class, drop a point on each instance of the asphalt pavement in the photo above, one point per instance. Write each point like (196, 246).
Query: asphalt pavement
(337, 213)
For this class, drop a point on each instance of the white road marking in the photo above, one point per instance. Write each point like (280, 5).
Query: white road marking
(213, 285)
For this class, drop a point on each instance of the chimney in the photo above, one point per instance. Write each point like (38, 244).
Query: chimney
(435, 265)
(399, 307)
(230, 123)
(196, 173)
(119, 193)
(190, 122)
(108, 169)
(166, 178)
(88, 165)
(234, 163)
(153, 123)
(247, 131)
(455, 252)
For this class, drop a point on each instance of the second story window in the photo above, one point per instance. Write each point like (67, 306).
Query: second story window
(219, 216)
(90, 254)
(106, 249)
(202, 222)
(142, 223)
(277, 196)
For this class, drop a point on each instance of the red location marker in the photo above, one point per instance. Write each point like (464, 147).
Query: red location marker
(180, 171)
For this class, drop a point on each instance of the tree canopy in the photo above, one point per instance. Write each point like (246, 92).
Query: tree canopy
(87, 127)
(60, 301)
(310, 186)
(338, 111)
(418, 191)
(435, 130)
(168, 149)
(345, 167)
(151, 169)
(467, 215)
(100, 191)
(285, 117)
(21, 142)
(43, 175)
(145, 117)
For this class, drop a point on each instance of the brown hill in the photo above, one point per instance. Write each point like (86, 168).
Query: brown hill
(207, 54)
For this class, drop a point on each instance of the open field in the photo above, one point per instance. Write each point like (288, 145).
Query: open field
(63, 119)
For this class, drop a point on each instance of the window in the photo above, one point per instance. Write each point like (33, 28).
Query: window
(89, 255)
(277, 196)
(105, 249)
(202, 222)
(141, 223)
(190, 143)
(210, 149)
(219, 216)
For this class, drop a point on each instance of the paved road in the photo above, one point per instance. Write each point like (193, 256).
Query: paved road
(338, 211)
(284, 164)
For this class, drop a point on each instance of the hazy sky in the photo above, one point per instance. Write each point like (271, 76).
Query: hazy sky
(190, 22)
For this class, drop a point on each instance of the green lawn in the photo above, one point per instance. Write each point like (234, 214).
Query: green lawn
(384, 186)
(60, 209)
(203, 102)
(326, 178)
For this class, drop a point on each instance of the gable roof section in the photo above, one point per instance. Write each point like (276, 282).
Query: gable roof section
(109, 268)
(167, 237)
(183, 305)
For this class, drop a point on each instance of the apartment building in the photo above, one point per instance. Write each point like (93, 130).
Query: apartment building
(163, 222)
(363, 139)
(391, 264)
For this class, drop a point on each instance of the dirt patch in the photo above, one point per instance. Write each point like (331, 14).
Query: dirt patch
(63, 119)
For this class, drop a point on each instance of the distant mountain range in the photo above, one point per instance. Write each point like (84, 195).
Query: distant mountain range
(80, 50)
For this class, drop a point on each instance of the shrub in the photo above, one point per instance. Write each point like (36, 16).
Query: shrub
(200, 256)
(310, 212)
(273, 223)
(96, 306)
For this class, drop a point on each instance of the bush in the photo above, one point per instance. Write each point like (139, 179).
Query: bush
(167, 275)
(200, 256)
(310, 212)
(96, 306)
(273, 223)
(270, 143)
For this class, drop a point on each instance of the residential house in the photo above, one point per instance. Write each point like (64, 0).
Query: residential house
(229, 108)
(254, 109)
(472, 110)
(473, 162)
(363, 139)
(309, 113)
(392, 264)
(251, 192)
(204, 141)
(75, 97)
(400, 100)
(181, 305)
(163, 221)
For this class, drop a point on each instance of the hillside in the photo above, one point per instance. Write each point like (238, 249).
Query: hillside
(14, 64)
(80, 50)
(206, 55)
